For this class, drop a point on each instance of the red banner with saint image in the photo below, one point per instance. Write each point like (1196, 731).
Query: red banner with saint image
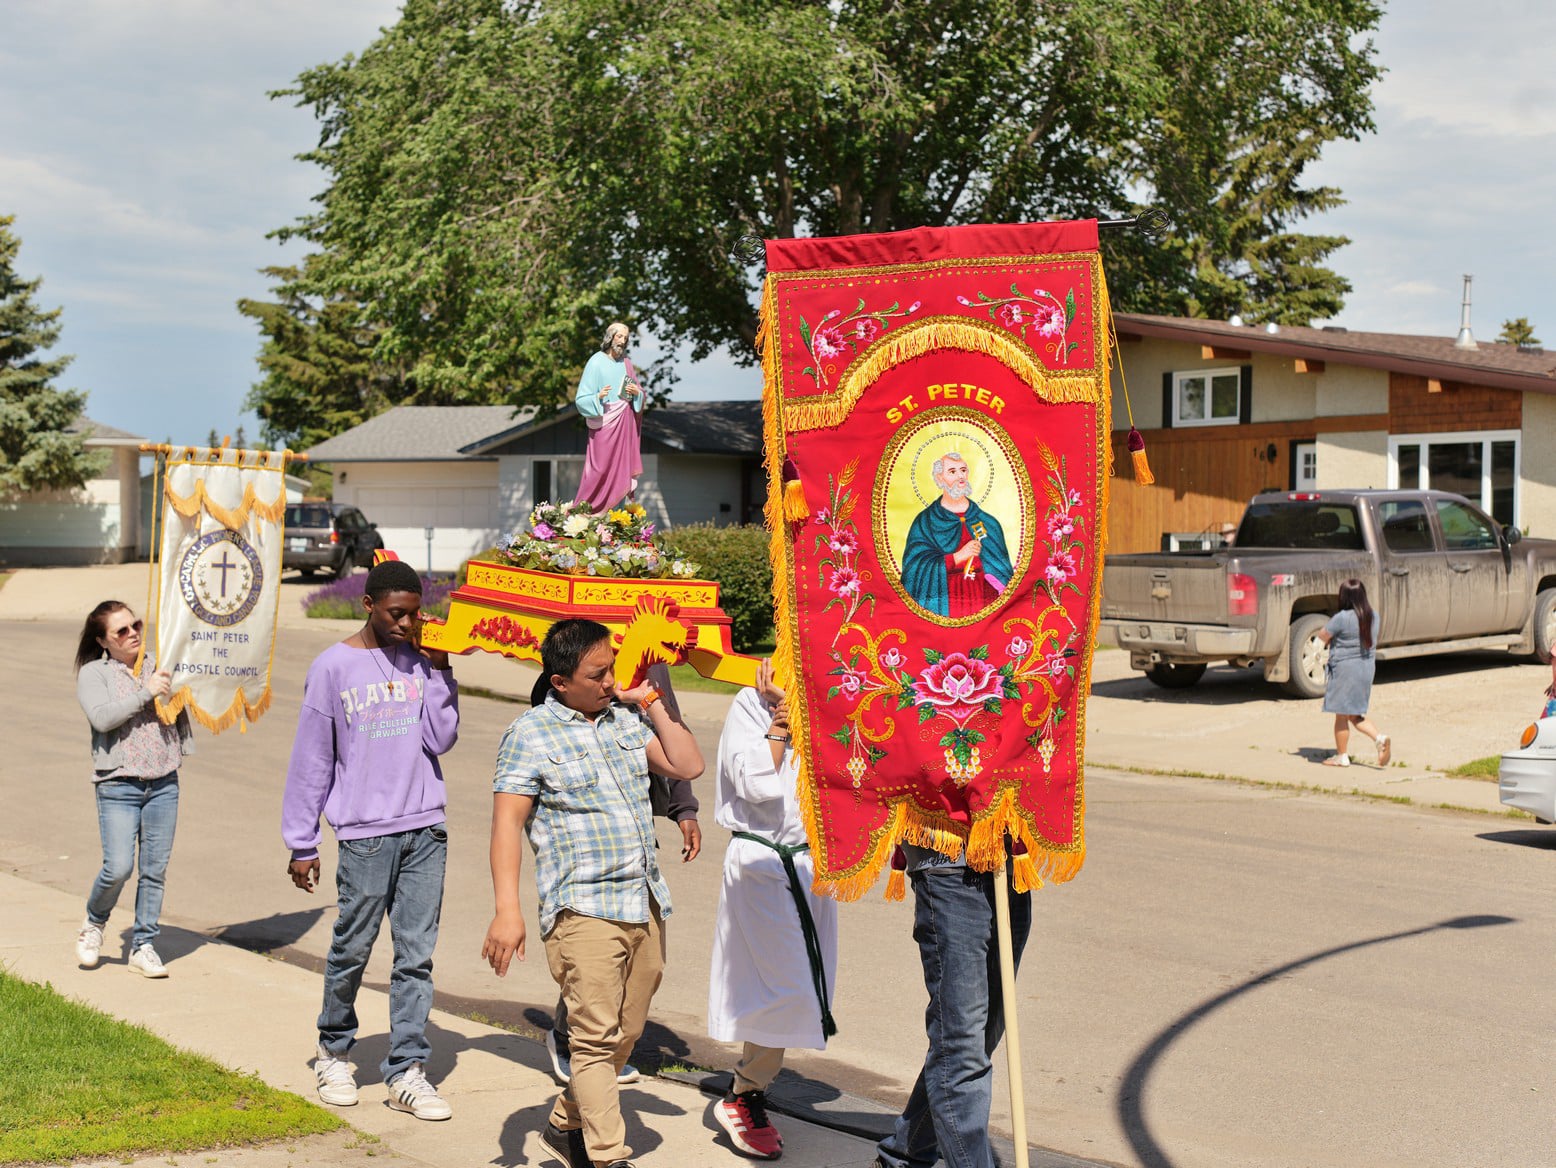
(936, 421)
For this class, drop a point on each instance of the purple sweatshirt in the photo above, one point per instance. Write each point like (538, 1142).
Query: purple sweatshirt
(372, 726)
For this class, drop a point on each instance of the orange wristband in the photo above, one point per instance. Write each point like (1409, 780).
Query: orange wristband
(653, 696)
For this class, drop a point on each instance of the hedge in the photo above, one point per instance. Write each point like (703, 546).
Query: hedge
(737, 558)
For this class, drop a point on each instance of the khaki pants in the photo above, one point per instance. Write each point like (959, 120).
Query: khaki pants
(757, 1068)
(608, 972)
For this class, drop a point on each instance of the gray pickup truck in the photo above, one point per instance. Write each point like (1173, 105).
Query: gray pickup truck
(1441, 573)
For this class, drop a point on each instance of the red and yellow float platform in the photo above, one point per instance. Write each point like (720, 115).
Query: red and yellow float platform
(506, 610)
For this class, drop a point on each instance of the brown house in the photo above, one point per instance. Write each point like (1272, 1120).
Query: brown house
(1230, 410)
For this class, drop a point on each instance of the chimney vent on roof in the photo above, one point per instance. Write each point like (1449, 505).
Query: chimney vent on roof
(1465, 339)
(1336, 328)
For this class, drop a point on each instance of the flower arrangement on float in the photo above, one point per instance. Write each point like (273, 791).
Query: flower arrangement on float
(575, 540)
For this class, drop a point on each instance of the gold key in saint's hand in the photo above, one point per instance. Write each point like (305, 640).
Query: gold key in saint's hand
(979, 530)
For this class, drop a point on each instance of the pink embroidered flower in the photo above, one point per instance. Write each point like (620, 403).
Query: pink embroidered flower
(1009, 315)
(957, 685)
(543, 531)
(1061, 566)
(1055, 663)
(1074, 497)
(824, 517)
(844, 582)
(851, 682)
(844, 544)
(892, 658)
(914, 307)
(1060, 527)
(1018, 648)
(866, 329)
(1049, 320)
(827, 342)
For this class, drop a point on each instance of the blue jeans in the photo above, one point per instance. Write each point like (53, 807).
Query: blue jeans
(131, 810)
(400, 875)
(947, 1115)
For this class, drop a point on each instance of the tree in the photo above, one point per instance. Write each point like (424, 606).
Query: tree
(320, 375)
(1518, 331)
(37, 449)
(504, 178)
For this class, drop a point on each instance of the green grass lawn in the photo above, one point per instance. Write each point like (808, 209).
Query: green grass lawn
(82, 1084)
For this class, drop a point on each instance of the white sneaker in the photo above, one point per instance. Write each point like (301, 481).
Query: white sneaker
(560, 1051)
(145, 962)
(89, 945)
(337, 1079)
(411, 1092)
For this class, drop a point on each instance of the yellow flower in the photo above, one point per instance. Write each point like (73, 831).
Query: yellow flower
(637, 510)
(619, 517)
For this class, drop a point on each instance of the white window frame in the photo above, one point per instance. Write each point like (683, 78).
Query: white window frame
(1178, 378)
(1297, 452)
(1458, 437)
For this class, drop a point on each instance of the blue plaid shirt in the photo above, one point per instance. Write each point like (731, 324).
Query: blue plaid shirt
(592, 830)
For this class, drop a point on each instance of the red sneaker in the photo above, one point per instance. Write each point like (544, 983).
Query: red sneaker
(744, 1117)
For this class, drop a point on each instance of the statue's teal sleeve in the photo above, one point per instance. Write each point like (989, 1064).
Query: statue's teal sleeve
(598, 373)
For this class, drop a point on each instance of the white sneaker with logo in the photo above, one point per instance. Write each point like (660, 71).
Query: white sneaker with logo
(89, 945)
(411, 1092)
(337, 1079)
(145, 962)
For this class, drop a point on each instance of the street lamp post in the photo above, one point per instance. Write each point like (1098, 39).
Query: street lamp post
(427, 531)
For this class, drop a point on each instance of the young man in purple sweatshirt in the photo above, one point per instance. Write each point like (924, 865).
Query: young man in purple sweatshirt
(378, 710)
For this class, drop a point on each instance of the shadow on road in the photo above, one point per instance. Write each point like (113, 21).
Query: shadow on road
(269, 933)
(1131, 1092)
(1541, 839)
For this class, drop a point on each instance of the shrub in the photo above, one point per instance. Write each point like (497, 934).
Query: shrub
(342, 599)
(737, 558)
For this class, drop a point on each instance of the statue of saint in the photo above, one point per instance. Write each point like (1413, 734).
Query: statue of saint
(610, 398)
(955, 563)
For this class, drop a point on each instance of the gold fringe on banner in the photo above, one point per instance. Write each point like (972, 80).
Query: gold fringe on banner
(927, 335)
(239, 713)
(189, 505)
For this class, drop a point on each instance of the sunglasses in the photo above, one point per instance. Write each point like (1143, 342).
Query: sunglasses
(120, 634)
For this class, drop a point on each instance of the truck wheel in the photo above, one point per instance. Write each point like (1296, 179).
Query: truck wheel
(1173, 675)
(1544, 624)
(1308, 656)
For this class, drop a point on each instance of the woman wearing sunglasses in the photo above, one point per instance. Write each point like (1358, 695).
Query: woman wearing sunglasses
(135, 759)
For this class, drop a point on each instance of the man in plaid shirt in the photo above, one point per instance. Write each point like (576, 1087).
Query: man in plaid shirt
(573, 774)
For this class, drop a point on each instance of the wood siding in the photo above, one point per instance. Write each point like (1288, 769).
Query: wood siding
(1414, 409)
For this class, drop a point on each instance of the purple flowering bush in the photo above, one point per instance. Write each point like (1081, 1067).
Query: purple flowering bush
(342, 599)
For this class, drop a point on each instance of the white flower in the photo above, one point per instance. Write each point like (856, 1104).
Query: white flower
(575, 525)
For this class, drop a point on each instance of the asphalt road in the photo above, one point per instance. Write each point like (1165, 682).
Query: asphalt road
(1239, 976)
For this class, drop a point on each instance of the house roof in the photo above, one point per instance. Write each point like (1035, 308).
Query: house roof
(708, 427)
(1496, 365)
(98, 434)
(420, 434)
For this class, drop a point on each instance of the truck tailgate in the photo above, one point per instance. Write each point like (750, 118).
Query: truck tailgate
(1188, 588)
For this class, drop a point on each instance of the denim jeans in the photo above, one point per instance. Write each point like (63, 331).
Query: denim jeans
(400, 875)
(947, 1115)
(131, 811)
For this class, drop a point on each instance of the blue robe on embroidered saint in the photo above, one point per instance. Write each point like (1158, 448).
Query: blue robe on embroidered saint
(930, 577)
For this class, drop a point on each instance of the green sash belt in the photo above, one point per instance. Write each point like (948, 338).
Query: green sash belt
(818, 972)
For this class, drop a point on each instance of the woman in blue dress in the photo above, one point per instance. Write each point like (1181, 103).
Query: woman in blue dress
(1352, 636)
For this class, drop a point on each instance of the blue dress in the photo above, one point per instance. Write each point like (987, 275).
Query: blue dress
(1349, 672)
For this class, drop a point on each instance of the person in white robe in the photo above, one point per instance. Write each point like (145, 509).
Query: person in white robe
(770, 984)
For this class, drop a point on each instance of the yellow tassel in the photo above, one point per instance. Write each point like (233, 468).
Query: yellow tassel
(1143, 474)
(1026, 877)
(897, 885)
(795, 508)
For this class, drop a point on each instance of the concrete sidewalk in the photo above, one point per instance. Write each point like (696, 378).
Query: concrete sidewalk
(255, 1014)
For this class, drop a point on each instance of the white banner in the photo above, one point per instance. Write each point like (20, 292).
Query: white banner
(218, 581)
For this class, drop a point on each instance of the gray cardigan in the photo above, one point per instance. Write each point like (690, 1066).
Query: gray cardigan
(108, 714)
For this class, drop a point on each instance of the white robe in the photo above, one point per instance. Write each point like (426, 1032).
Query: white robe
(760, 988)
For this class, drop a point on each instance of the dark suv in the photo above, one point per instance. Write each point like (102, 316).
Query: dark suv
(333, 536)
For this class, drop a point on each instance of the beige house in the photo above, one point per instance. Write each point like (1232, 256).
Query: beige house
(1229, 410)
(99, 523)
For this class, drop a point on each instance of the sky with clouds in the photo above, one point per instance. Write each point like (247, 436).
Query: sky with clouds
(145, 164)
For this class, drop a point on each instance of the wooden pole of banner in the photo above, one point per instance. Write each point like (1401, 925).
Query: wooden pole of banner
(1018, 1105)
